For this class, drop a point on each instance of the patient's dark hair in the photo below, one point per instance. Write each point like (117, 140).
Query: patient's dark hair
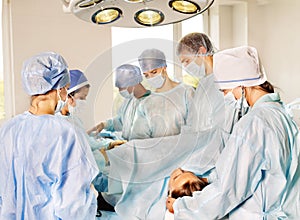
(188, 188)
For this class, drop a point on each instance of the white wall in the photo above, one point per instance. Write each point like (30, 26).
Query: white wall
(272, 26)
(41, 25)
(274, 29)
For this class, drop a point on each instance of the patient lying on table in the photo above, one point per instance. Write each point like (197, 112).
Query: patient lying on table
(182, 183)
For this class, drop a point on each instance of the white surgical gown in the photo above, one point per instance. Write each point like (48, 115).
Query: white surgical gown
(124, 119)
(162, 114)
(258, 170)
(46, 170)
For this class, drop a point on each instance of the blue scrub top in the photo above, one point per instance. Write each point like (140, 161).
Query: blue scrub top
(46, 170)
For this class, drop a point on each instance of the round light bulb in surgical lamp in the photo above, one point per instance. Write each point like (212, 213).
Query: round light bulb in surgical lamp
(149, 17)
(88, 3)
(107, 15)
(184, 6)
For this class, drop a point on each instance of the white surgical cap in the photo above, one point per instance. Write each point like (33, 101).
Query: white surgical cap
(238, 67)
(44, 72)
(152, 59)
(128, 75)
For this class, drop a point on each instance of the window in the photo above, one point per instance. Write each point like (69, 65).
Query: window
(129, 43)
(194, 24)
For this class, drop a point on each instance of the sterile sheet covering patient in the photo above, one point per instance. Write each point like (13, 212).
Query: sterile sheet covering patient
(182, 183)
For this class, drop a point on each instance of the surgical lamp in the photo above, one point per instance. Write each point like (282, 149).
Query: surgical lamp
(135, 13)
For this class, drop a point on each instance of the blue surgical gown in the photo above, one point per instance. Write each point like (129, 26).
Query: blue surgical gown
(93, 143)
(207, 107)
(46, 170)
(142, 167)
(162, 114)
(124, 119)
(257, 172)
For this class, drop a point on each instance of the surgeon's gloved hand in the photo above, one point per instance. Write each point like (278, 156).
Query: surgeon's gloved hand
(116, 143)
(98, 128)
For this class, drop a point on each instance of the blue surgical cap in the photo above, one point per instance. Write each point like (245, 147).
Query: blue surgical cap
(152, 59)
(78, 80)
(44, 72)
(128, 75)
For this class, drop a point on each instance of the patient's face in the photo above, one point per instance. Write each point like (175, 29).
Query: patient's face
(177, 179)
(181, 177)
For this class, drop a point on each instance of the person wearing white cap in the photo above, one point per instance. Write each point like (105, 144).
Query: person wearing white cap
(236, 105)
(258, 170)
(46, 167)
(128, 80)
(164, 113)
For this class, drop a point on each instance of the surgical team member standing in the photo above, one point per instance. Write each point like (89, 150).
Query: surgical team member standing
(128, 80)
(76, 105)
(195, 51)
(167, 109)
(46, 165)
(258, 170)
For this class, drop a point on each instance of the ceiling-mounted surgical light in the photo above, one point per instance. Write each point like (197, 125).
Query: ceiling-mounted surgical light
(149, 17)
(135, 13)
(134, 1)
(185, 6)
(88, 3)
(106, 15)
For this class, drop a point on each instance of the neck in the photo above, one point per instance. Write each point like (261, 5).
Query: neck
(168, 85)
(43, 104)
(209, 65)
(139, 91)
(254, 95)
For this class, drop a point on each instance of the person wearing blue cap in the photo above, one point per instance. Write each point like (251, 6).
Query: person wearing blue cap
(46, 167)
(173, 99)
(77, 93)
(76, 105)
(128, 81)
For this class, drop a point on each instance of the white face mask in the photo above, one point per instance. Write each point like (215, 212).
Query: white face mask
(230, 100)
(240, 104)
(195, 70)
(60, 103)
(80, 106)
(156, 81)
(126, 94)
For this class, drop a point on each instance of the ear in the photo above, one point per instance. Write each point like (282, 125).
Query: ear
(202, 50)
(169, 204)
(164, 71)
(71, 101)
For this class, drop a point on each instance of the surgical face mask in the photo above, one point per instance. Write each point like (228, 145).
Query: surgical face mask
(60, 103)
(230, 100)
(126, 94)
(156, 81)
(79, 107)
(195, 70)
